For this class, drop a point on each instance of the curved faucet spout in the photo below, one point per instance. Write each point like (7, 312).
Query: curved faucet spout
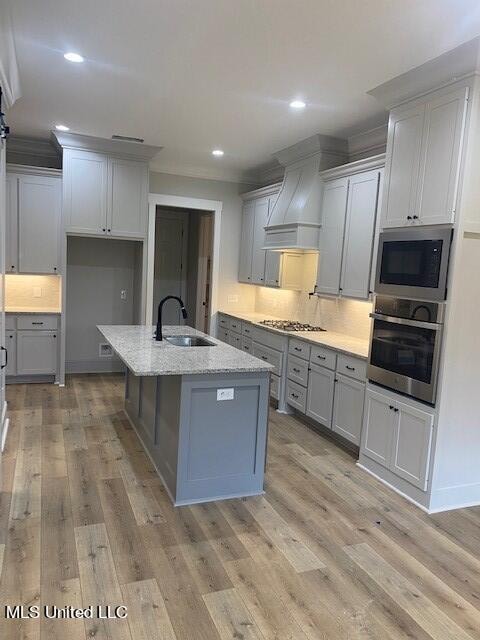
(158, 333)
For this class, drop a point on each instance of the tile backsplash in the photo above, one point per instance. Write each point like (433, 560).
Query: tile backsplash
(350, 317)
(33, 293)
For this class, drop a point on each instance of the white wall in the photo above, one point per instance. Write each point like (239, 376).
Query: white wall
(97, 270)
(228, 193)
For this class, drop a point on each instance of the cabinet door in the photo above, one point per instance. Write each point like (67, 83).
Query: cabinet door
(321, 384)
(404, 141)
(412, 441)
(246, 243)
(36, 352)
(11, 346)
(440, 158)
(273, 261)
(258, 254)
(39, 211)
(85, 176)
(348, 408)
(11, 223)
(334, 207)
(127, 202)
(378, 428)
(359, 234)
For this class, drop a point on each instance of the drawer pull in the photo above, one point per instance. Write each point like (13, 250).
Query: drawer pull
(264, 358)
(296, 370)
(349, 368)
(247, 330)
(298, 348)
(322, 357)
(246, 348)
(294, 395)
(37, 323)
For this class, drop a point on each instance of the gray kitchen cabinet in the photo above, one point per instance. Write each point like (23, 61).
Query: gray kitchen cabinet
(358, 244)
(127, 203)
(104, 195)
(321, 386)
(246, 242)
(334, 206)
(423, 157)
(39, 211)
(412, 442)
(348, 408)
(398, 435)
(11, 346)
(11, 223)
(272, 268)
(378, 427)
(36, 352)
(85, 180)
(258, 253)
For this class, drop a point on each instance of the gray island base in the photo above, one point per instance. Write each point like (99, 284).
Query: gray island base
(205, 432)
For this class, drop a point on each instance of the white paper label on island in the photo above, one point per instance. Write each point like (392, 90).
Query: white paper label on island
(225, 394)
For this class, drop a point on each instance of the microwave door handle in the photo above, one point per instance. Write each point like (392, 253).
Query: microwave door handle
(407, 321)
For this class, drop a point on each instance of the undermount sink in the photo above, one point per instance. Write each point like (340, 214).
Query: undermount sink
(189, 341)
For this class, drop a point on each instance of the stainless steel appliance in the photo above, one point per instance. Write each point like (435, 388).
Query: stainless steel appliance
(290, 325)
(413, 263)
(405, 346)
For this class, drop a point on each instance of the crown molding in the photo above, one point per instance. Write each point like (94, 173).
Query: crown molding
(32, 147)
(33, 170)
(121, 148)
(368, 143)
(365, 164)
(269, 190)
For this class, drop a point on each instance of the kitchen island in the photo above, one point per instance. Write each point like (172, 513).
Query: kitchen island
(201, 412)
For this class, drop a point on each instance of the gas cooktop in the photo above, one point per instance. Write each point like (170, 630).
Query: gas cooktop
(290, 325)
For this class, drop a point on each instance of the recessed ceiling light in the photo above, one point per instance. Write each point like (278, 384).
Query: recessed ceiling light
(73, 57)
(217, 152)
(62, 127)
(297, 104)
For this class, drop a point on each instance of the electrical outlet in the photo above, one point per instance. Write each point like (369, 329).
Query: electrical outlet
(37, 292)
(105, 350)
(225, 394)
(123, 294)
(232, 299)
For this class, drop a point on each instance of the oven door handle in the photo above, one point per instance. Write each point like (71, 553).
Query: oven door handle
(407, 321)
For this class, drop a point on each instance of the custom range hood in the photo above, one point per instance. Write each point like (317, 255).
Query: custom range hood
(294, 223)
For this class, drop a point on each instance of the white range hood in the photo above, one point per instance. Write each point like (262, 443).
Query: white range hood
(295, 221)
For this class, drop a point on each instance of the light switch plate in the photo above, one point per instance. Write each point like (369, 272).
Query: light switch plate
(37, 292)
(225, 394)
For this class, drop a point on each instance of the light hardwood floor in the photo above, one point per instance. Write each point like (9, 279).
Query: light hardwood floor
(327, 553)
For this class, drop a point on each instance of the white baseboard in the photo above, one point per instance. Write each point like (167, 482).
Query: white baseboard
(392, 487)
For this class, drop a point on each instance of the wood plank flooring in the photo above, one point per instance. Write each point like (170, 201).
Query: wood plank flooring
(328, 553)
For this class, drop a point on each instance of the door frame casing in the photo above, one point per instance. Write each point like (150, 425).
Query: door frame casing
(199, 204)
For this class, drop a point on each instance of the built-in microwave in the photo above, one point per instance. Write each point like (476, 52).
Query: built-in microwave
(413, 263)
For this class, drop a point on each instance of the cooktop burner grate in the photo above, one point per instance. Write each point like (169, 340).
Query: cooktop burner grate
(290, 325)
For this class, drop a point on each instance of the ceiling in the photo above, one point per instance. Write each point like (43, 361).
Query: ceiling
(193, 75)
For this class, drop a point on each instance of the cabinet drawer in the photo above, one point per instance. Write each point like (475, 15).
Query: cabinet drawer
(235, 325)
(10, 322)
(247, 329)
(324, 357)
(271, 356)
(235, 340)
(296, 396)
(223, 321)
(268, 338)
(247, 344)
(37, 322)
(353, 367)
(299, 349)
(223, 335)
(297, 370)
(274, 386)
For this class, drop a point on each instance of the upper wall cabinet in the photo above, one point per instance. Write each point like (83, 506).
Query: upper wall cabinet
(33, 222)
(348, 232)
(424, 151)
(104, 195)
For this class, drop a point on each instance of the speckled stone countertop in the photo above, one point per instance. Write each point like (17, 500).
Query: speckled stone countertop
(340, 342)
(135, 346)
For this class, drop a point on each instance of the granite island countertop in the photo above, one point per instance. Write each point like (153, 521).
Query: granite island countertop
(135, 346)
(340, 342)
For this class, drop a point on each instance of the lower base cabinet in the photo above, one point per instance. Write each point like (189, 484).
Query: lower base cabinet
(321, 387)
(36, 353)
(398, 435)
(348, 408)
(11, 346)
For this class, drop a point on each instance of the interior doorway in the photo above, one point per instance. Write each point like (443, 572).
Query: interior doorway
(183, 264)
